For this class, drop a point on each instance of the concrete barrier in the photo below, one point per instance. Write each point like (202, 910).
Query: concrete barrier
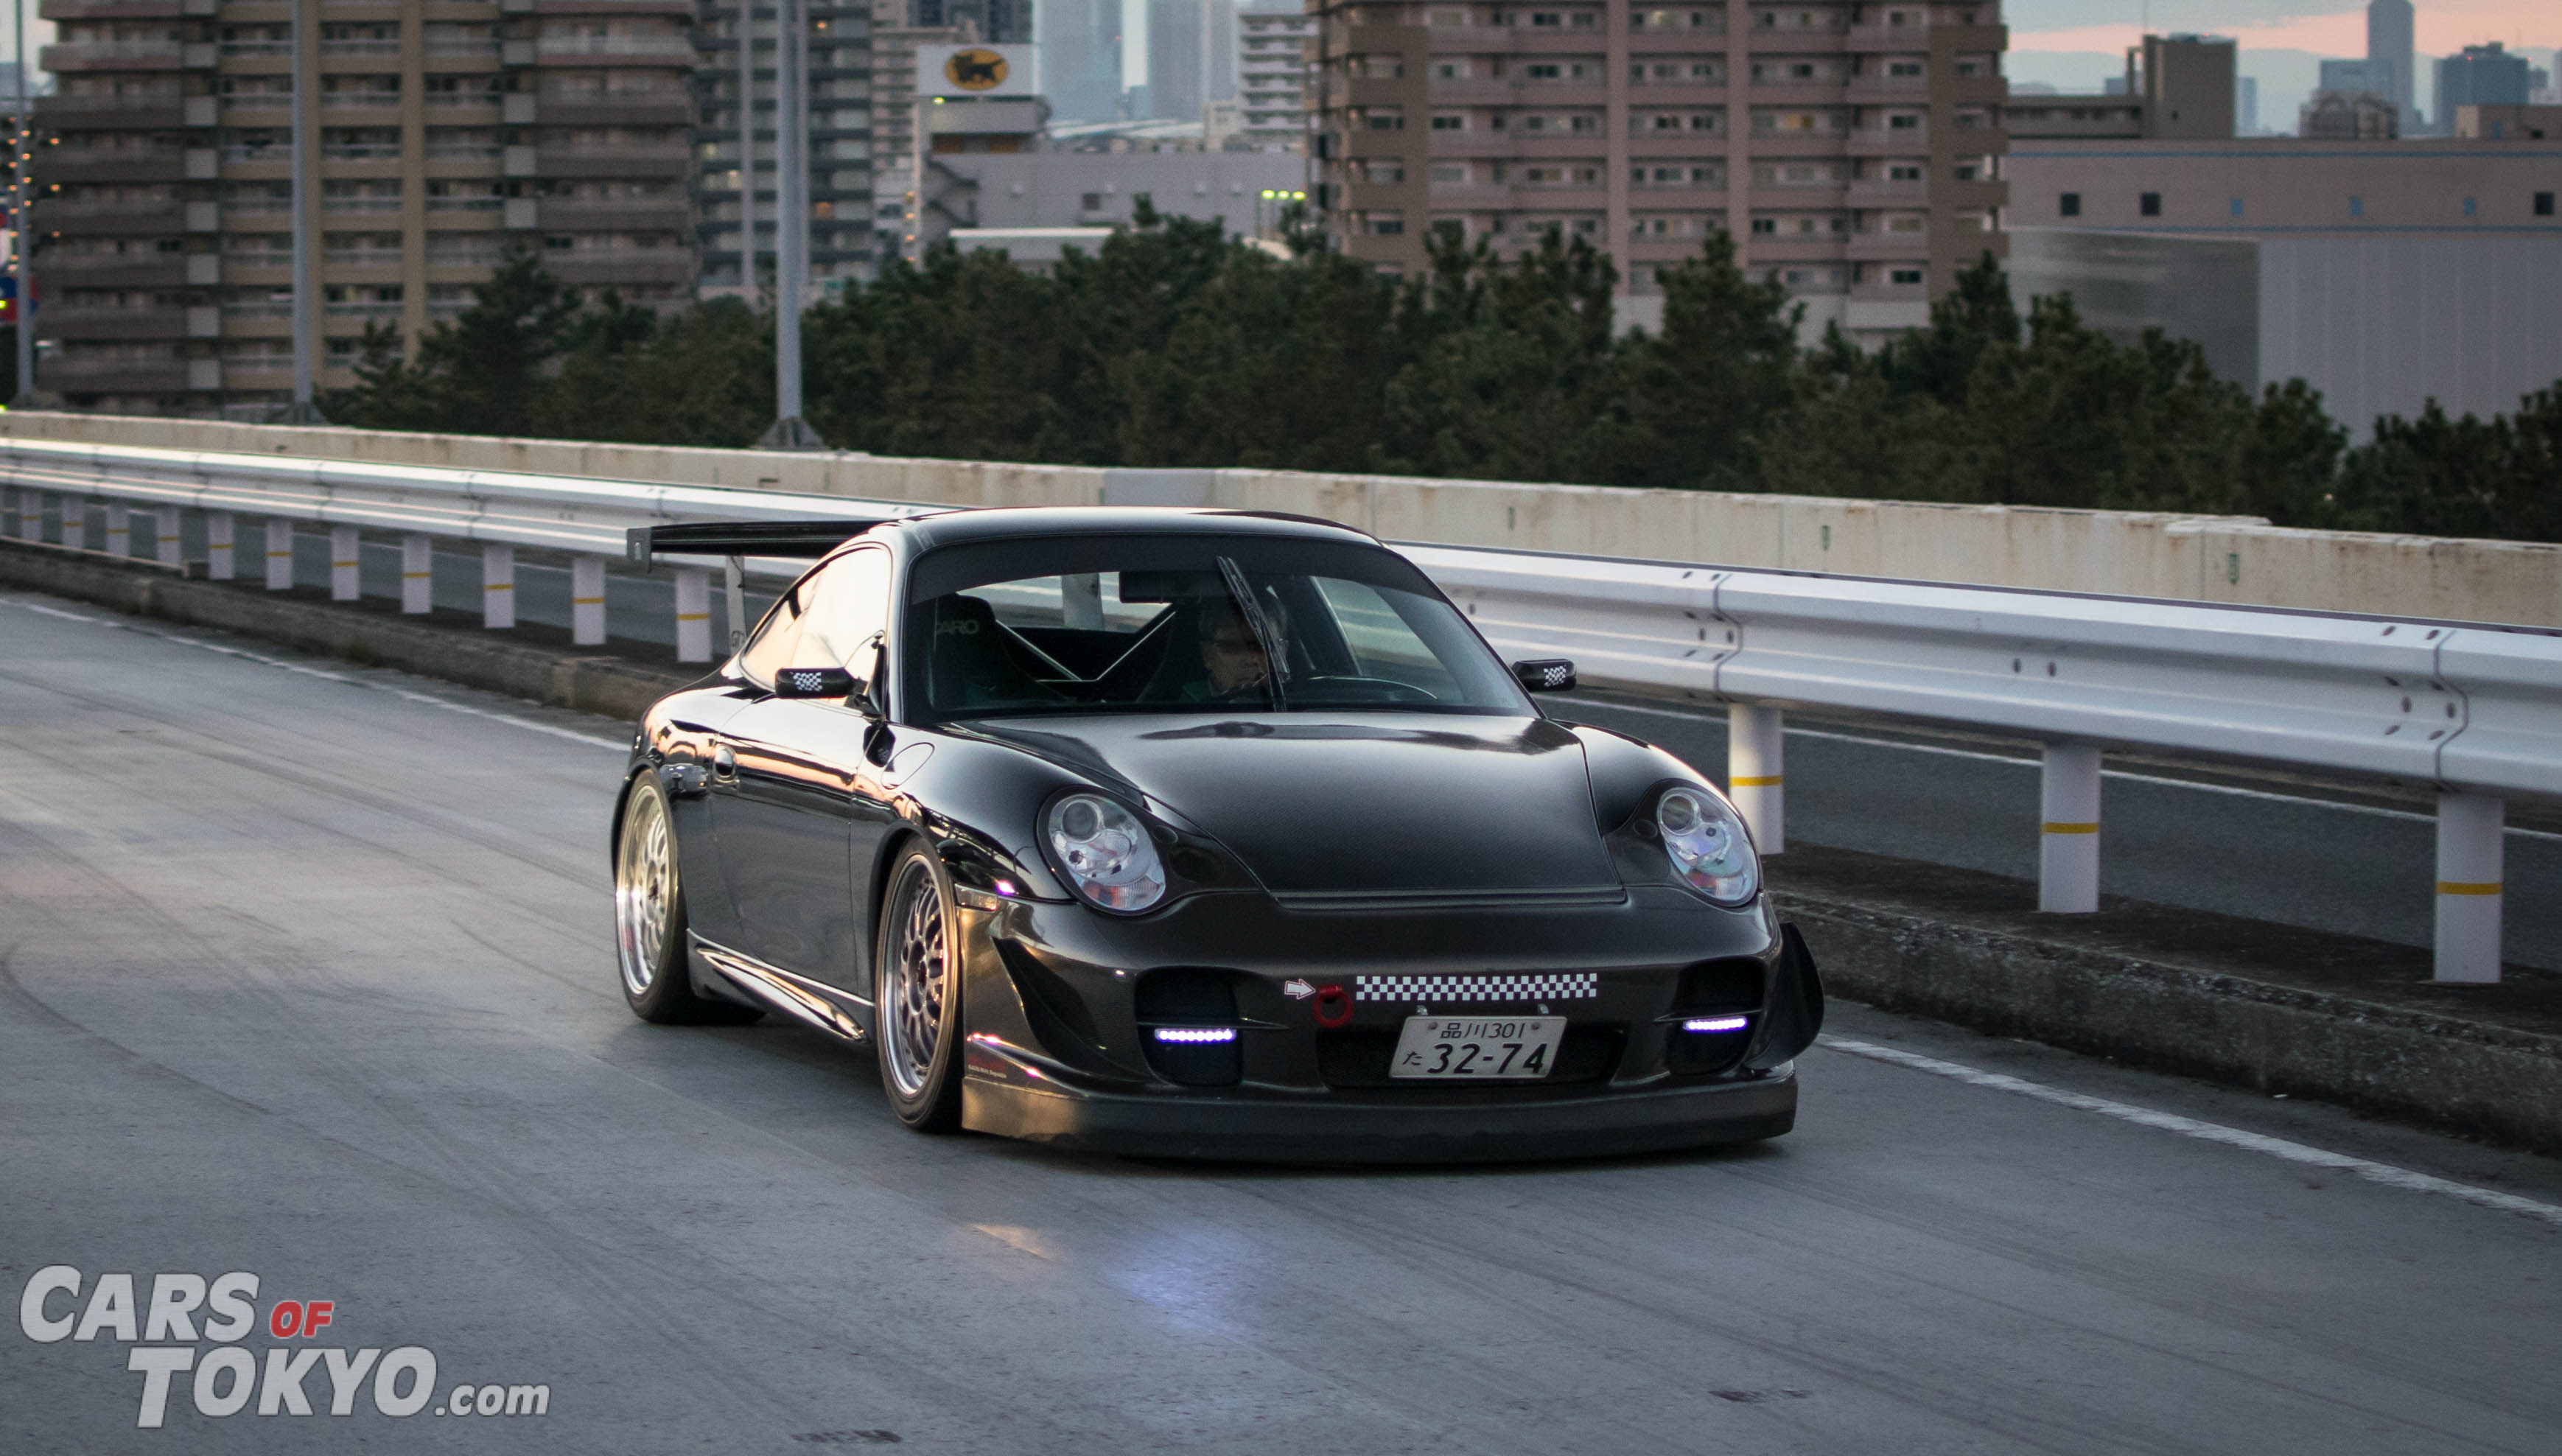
(2231, 559)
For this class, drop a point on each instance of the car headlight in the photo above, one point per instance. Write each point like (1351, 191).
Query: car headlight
(1705, 842)
(1106, 853)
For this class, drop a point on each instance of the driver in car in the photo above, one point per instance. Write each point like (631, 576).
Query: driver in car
(1232, 662)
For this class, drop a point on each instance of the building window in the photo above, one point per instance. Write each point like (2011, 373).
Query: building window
(2237, 206)
(1449, 123)
(2068, 205)
(2469, 206)
(2357, 207)
(1904, 275)
(2150, 204)
(1764, 227)
(2544, 204)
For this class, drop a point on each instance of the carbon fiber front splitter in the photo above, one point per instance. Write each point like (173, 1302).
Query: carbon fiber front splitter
(1366, 1127)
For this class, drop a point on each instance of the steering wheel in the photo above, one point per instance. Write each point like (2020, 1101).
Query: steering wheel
(1360, 689)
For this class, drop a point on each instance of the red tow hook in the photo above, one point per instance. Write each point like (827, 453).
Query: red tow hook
(1334, 1006)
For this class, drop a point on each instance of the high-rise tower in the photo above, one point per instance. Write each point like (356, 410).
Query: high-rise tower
(2389, 55)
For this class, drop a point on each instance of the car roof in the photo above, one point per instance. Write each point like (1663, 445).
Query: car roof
(1015, 524)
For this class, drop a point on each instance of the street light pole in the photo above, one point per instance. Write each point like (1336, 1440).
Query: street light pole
(20, 145)
(791, 225)
(747, 151)
(303, 411)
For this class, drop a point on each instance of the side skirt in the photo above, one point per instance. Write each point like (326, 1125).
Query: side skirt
(828, 1007)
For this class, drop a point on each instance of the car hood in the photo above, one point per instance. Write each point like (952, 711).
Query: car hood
(1354, 802)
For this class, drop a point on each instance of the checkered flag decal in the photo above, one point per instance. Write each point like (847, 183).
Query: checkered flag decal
(1548, 987)
(1555, 674)
(806, 681)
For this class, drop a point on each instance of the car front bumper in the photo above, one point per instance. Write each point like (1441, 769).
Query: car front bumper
(1014, 1098)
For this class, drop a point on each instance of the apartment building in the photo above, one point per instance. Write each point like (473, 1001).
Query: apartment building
(838, 118)
(439, 131)
(1852, 149)
(1272, 77)
(893, 96)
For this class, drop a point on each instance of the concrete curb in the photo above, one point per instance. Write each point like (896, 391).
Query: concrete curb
(591, 683)
(1908, 938)
(2476, 1069)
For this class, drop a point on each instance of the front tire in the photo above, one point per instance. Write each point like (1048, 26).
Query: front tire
(917, 995)
(649, 917)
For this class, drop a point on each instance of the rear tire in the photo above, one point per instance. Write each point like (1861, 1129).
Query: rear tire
(917, 995)
(649, 917)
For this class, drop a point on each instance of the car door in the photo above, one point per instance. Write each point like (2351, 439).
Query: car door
(794, 791)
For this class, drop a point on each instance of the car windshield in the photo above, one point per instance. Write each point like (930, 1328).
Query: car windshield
(1189, 623)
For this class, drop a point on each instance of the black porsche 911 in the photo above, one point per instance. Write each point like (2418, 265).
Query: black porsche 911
(1199, 834)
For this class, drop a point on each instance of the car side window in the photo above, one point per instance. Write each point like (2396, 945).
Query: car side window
(776, 638)
(828, 620)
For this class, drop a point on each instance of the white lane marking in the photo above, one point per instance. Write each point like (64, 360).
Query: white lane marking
(2189, 1127)
(430, 700)
(2016, 761)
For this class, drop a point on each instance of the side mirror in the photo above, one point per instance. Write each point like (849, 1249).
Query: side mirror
(813, 682)
(1544, 674)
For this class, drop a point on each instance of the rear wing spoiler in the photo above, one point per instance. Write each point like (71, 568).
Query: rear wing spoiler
(802, 540)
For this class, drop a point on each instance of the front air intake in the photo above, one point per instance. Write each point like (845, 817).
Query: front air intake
(1187, 1025)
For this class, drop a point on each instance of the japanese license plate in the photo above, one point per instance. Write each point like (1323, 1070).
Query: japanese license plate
(1500, 1048)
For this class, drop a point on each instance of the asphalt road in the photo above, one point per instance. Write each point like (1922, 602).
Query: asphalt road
(304, 973)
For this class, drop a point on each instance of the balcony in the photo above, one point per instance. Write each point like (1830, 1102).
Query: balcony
(59, 164)
(464, 151)
(122, 9)
(1888, 246)
(257, 109)
(350, 206)
(335, 48)
(638, 159)
(115, 324)
(361, 308)
(638, 110)
(118, 376)
(122, 113)
(628, 215)
(468, 206)
(259, 311)
(626, 266)
(67, 56)
(361, 256)
(470, 48)
(360, 100)
(60, 270)
(98, 219)
(353, 152)
(250, 258)
(589, 50)
(1877, 192)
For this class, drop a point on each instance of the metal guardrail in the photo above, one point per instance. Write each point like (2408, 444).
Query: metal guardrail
(2474, 710)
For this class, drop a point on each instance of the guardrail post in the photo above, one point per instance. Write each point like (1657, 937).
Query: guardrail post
(498, 586)
(169, 537)
(693, 614)
(120, 530)
(417, 573)
(2469, 887)
(346, 553)
(2067, 854)
(9, 510)
(218, 545)
(279, 555)
(587, 600)
(1755, 774)
(75, 522)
